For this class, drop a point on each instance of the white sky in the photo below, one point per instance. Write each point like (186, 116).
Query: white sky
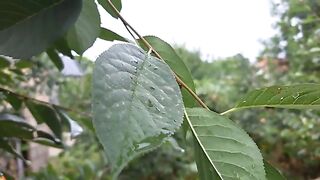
(218, 28)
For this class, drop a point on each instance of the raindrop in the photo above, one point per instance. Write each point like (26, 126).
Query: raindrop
(136, 61)
(279, 89)
(244, 101)
(155, 68)
(152, 88)
(150, 103)
(281, 98)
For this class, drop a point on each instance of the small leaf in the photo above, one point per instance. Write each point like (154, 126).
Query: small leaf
(272, 173)
(21, 64)
(74, 128)
(62, 46)
(228, 152)
(14, 126)
(5, 145)
(13, 99)
(176, 64)
(302, 96)
(4, 62)
(108, 8)
(109, 35)
(27, 28)
(136, 103)
(46, 114)
(86, 29)
(47, 139)
(55, 58)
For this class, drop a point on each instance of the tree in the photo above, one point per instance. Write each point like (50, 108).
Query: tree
(141, 92)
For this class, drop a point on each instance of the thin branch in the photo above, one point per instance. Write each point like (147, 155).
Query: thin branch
(24, 98)
(146, 43)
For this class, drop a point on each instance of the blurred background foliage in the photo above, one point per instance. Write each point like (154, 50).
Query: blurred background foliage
(289, 139)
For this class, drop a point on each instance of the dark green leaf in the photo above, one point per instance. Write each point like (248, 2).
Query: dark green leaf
(47, 139)
(46, 114)
(14, 126)
(272, 173)
(13, 99)
(55, 58)
(228, 152)
(107, 7)
(5, 145)
(4, 62)
(176, 64)
(86, 29)
(136, 103)
(302, 96)
(74, 128)
(62, 46)
(29, 27)
(109, 35)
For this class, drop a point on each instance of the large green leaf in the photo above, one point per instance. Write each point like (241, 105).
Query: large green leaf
(14, 126)
(136, 103)
(46, 114)
(302, 96)
(109, 35)
(176, 64)
(28, 27)
(272, 173)
(86, 29)
(228, 152)
(108, 8)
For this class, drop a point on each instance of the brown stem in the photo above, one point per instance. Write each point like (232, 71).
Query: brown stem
(146, 43)
(23, 97)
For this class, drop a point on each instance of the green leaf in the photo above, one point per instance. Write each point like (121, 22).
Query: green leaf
(46, 114)
(228, 151)
(74, 128)
(55, 58)
(107, 7)
(136, 103)
(109, 35)
(21, 64)
(5, 145)
(4, 62)
(14, 126)
(29, 27)
(47, 139)
(272, 173)
(176, 64)
(13, 99)
(302, 96)
(62, 46)
(86, 29)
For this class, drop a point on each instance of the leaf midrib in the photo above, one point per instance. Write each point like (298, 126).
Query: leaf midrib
(200, 144)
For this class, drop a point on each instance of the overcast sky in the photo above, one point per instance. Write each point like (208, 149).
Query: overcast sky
(218, 28)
